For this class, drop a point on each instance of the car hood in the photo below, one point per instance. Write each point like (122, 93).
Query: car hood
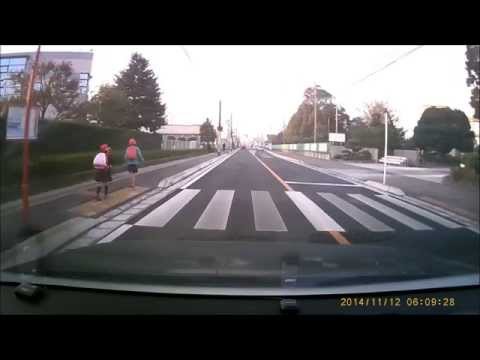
(275, 267)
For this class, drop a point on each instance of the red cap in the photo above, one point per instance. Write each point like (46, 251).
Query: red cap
(132, 142)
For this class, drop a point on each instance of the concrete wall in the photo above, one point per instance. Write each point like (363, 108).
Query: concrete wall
(411, 155)
(325, 151)
(335, 150)
(169, 144)
(318, 150)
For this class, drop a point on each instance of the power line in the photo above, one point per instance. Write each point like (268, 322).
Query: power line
(389, 64)
(186, 53)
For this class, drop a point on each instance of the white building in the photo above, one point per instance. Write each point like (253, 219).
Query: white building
(180, 137)
(14, 63)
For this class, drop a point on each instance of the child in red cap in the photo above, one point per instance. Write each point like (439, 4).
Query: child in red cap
(133, 156)
(102, 166)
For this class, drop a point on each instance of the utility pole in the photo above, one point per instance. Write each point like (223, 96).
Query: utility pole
(26, 144)
(336, 118)
(315, 114)
(219, 128)
(231, 131)
(385, 150)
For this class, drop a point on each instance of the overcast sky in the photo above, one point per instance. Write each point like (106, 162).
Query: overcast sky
(262, 86)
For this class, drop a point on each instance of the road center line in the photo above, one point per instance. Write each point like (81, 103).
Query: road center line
(280, 180)
(335, 234)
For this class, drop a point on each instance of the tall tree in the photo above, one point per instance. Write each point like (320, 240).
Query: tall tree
(139, 84)
(110, 106)
(374, 114)
(473, 69)
(207, 132)
(443, 129)
(370, 132)
(54, 86)
(301, 125)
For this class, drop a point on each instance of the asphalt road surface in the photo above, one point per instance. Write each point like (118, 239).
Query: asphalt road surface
(260, 213)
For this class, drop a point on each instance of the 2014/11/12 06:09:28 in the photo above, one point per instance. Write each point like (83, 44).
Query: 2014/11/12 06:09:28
(397, 301)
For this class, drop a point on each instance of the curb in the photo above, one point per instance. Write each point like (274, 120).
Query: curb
(386, 188)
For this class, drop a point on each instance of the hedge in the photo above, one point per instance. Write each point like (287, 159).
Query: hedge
(68, 137)
(66, 164)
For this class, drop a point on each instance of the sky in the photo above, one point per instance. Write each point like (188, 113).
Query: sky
(262, 86)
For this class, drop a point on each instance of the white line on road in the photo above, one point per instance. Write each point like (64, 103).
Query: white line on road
(421, 212)
(317, 217)
(165, 212)
(207, 170)
(215, 216)
(320, 184)
(356, 214)
(115, 234)
(265, 213)
(394, 214)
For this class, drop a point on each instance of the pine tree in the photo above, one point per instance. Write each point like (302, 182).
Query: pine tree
(139, 84)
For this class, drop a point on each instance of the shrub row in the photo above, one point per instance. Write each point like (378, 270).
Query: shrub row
(46, 166)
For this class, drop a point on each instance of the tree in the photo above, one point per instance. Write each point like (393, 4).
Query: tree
(300, 128)
(54, 86)
(443, 129)
(473, 69)
(140, 86)
(374, 114)
(207, 132)
(370, 131)
(110, 106)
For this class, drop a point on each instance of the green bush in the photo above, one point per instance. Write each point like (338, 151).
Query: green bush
(68, 137)
(471, 161)
(464, 174)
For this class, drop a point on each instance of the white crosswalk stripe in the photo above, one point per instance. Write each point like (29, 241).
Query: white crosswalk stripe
(165, 212)
(265, 213)
(394, 214)
(314, 214)
(356, 214)
(267, 217)
(215, 216)
(422, 212)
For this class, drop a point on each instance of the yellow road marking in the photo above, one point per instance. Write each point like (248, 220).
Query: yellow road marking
(335, 234)
(280, 180)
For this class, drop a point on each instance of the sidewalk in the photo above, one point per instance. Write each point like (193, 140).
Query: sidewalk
(54, 207)
(462, 199)
(51, 195)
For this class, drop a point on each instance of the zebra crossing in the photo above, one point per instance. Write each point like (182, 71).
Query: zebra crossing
(367, 211)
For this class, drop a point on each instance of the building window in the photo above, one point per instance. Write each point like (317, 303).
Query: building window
(83, 83)
(10, 66)
(18, 61)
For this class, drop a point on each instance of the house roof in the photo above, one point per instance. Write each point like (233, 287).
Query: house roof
(179, 130)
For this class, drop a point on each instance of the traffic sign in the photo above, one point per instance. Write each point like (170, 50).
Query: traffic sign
(16, 123)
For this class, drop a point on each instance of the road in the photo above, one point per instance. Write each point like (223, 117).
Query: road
(256, 213)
